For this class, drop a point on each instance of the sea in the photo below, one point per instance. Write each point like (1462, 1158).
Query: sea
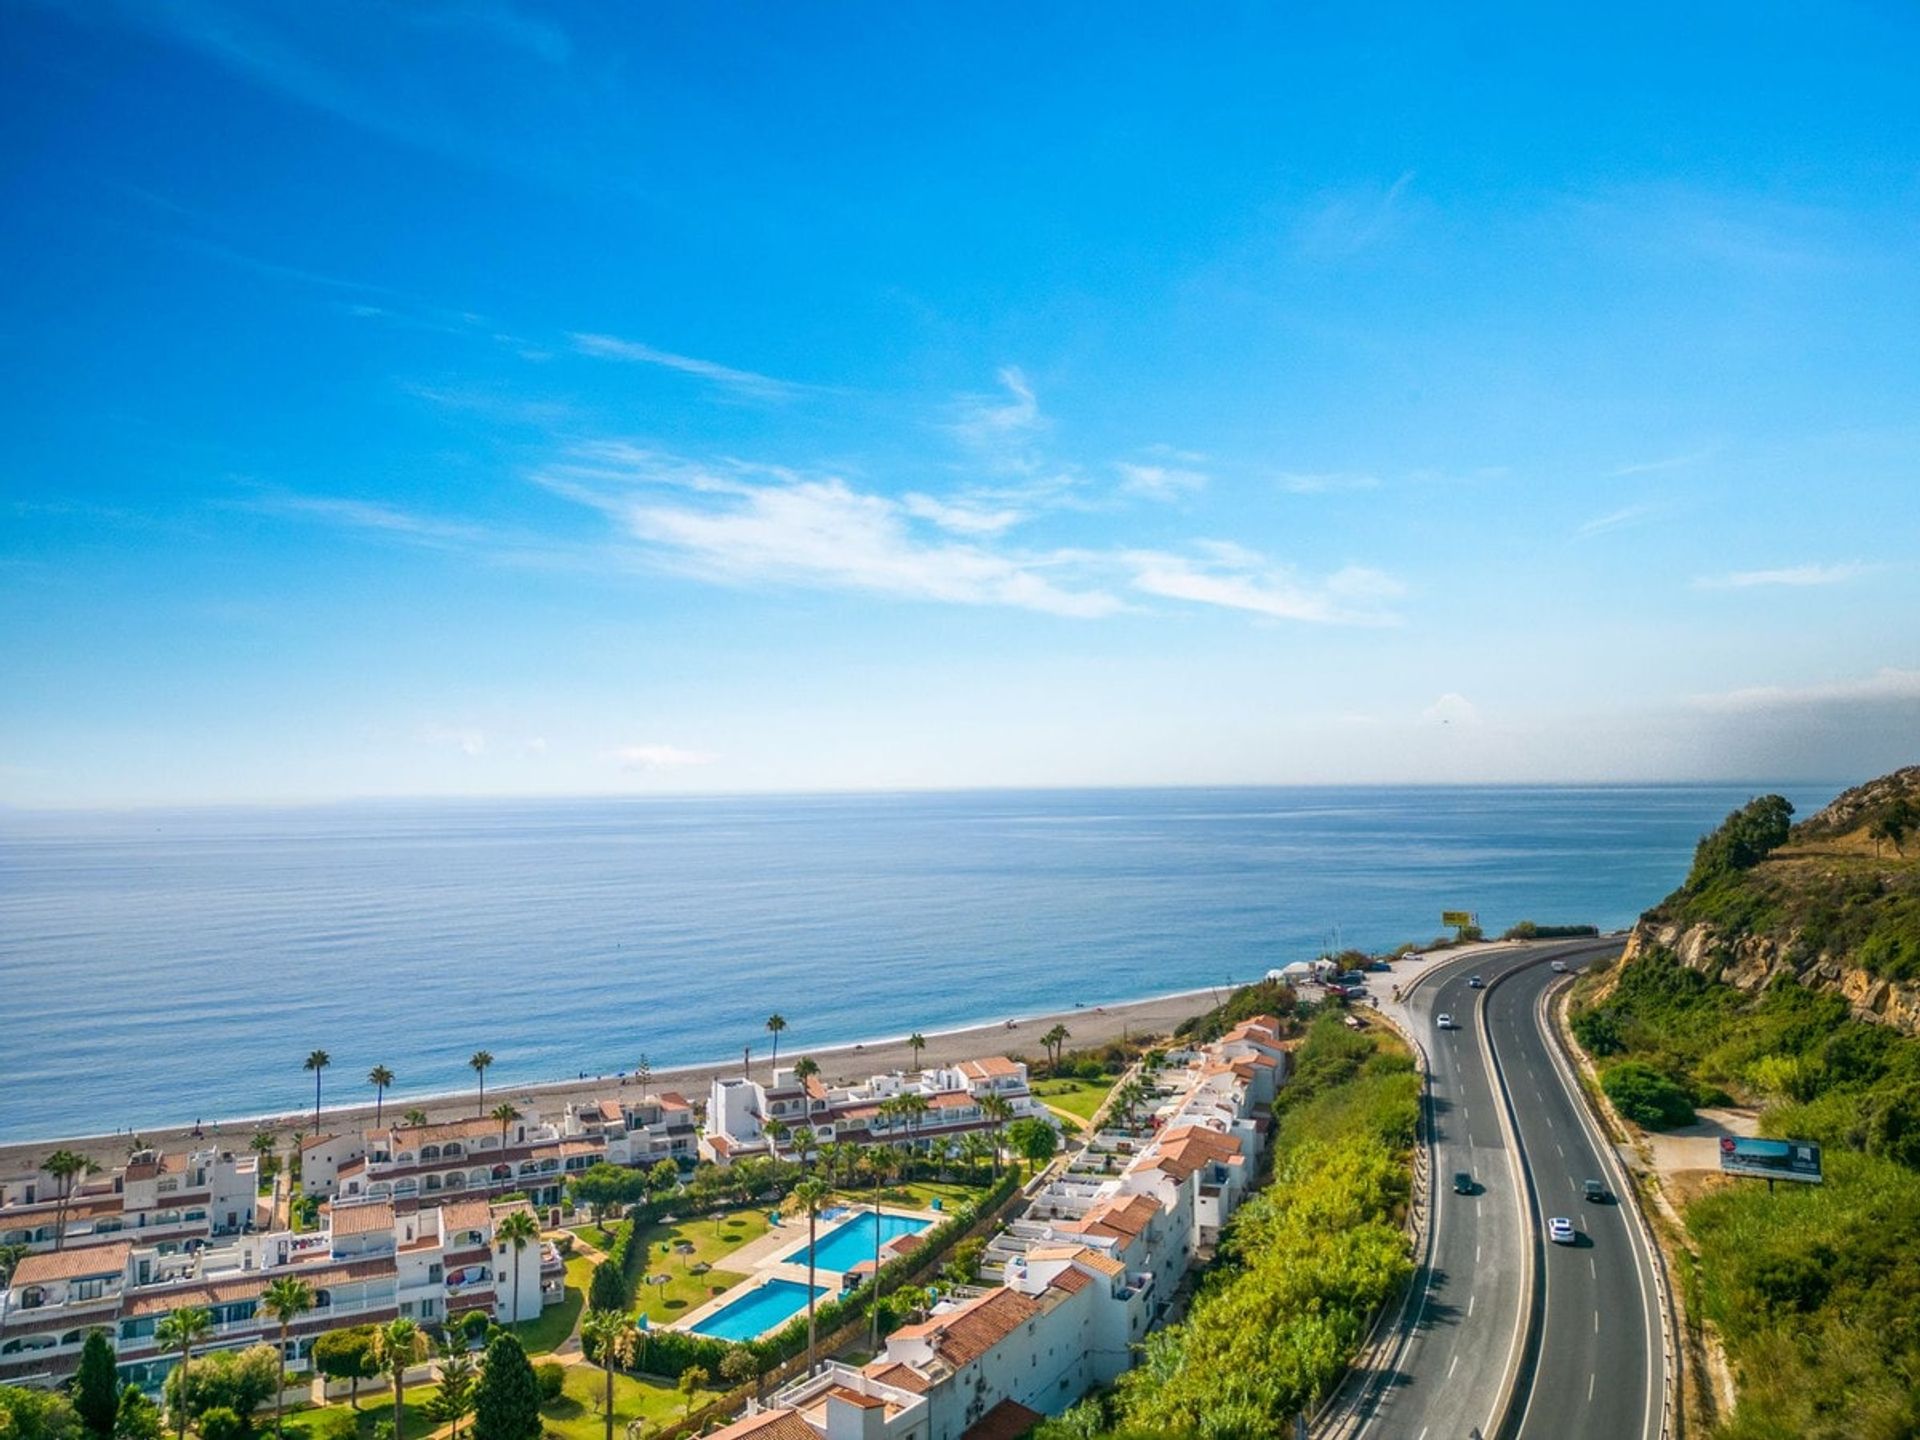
(166, 966)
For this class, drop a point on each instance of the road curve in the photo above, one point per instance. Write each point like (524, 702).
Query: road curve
(1464, 1333)
(1593, 1369)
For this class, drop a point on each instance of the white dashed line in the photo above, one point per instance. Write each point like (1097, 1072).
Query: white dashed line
(1470, 1300)
(1456, 1361)
(1596, 1322)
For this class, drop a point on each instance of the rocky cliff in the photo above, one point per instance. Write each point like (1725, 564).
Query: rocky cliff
(1836, 908)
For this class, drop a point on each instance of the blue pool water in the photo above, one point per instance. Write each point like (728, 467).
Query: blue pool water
(758, 1311)
(849, 1244)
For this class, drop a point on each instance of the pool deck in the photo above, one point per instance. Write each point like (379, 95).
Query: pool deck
(763, 1258)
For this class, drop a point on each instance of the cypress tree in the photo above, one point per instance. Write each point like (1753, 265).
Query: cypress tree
(608, 1289)
(96, 1389)
(506, 1403)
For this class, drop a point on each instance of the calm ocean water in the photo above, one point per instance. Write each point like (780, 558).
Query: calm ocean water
(156, 966)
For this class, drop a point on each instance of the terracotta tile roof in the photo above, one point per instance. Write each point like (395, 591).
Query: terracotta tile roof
(1071, 1280)
(674, 1100)
(363, 1219)
(1008, 1420)
(1083, 1254)
(1127, 1217)
(905, 1244)
(962, 1336)
(898, 1374)
(610, 1110)
(993, 1066)
(312, 1140)
(108, 1259)
(854, 1397)
(444, 1130)
(770, 1425)
(816, 1088)
(466, 1215)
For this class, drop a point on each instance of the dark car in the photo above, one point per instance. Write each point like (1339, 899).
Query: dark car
(1462, 1183)
(1597, 1192)
(1379, 967)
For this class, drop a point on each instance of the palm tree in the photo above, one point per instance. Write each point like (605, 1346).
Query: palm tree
(506, 1115)
(913, 1109)
(1053, 1040)
(809, 1197)
(285, 1300)
(609, 1338)
(182, 1330)
(518, 1229)
(916, 1042)
(415, 1116)
(65, 1166)
(999, 1110)
(317, 1061)
(975, 1147)
(380, 1077)
(803, 1141)
(479, 1063)
(776, 1022)
(396, 1345)
(804, 1069)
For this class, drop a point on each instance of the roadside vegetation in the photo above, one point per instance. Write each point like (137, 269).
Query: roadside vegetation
(1814, 1289)
(1301, 1268)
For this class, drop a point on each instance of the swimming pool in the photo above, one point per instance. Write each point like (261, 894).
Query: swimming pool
(758, 1311)
(847, 1245)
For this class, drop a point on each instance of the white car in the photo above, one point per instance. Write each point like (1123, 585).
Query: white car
(1444, 1021)
(1559, 967)
(1560, 1230)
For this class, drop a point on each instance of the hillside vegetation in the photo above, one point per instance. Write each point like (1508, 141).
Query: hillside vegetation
(1814, 1290)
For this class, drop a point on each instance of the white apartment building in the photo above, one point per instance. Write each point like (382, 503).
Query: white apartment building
(740, 1109)
(1087, 1271)
(155, 1198)
(368, 1263)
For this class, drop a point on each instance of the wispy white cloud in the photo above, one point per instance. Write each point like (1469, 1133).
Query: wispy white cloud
(1160, 482)
(1451, 708)
(962, 516)
(1665, 462)
(466, 739)
(1792, 575)
(743, 382)
(1231, 577)
(1344, 222)
(369, 515)
(1330, 482)
(1889, 684)
(657, 757)
(1002, 429)
(1618, 519)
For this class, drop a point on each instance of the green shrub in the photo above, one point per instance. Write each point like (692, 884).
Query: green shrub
(1645, 1096)
(336, 1424)
(551, 1377)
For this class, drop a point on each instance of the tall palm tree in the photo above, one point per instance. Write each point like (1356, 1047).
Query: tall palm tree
(380, 1077)
(914, 1109)
(65, 1166)
(396, 1345)
(609, 1338)
(517, 1229)
(916, 1042)
(804, 1069)
(1053, 1040)
(803, 1140)
(317, 1061)
(506, 1115)
(182, 1330)
(776, 1022)
(479, 1063)
(999, 1110)
(809, 1197)
(285, 1300)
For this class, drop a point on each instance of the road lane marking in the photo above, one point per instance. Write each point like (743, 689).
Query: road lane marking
(1590, 1270)
(1596, 1322)
(1456, 1361)
(1476, 1254)
(1470, 1300)
(1589, 1393)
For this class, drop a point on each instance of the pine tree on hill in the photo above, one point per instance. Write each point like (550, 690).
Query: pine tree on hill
(506, 1403)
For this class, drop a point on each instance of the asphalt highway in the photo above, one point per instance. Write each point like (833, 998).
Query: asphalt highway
(1583, 1360)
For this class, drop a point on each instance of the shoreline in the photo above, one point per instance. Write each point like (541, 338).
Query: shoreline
(1092, 1023)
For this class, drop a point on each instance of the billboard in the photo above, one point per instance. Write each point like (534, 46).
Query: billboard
(1457, 919)
(1770, 1159)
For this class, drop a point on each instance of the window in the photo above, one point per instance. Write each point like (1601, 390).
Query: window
(89, 1289)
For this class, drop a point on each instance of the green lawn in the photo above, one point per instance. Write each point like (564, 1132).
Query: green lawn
(597, 1236)
(556, 1322)
(714, 1238)
(1077, 1098)
(577, 1415)
(912, 1195)
(376, 1404)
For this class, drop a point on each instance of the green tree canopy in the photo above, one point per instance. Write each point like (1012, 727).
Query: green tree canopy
(96, 1388)
(506, 1403)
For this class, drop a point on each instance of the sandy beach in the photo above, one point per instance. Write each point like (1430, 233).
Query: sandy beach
(1092, 1024)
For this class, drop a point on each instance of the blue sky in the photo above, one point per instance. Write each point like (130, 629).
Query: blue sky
(473, 398)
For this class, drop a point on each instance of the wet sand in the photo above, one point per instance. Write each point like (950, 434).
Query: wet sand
(1090, 1025)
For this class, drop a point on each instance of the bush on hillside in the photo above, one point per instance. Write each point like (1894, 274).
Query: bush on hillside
(1645, 1096)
